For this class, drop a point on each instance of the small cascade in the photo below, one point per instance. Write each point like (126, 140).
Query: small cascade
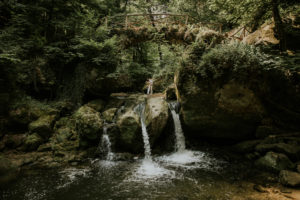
(140, 110)
(180, 139)
(105, 145)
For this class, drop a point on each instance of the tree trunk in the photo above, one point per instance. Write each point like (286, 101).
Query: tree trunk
(279, 26)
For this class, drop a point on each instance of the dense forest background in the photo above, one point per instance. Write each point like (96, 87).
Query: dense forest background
(51, 49)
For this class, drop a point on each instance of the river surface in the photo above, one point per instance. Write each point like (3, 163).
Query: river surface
(181, 176)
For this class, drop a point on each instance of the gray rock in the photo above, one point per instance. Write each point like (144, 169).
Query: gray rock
(289, 178)
(274, 162)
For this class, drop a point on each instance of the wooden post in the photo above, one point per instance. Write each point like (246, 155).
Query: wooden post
(186, 20)
(220, 28)
(126, 22)
(244, 32)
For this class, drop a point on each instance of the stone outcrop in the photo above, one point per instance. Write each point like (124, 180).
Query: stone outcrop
(289, 178)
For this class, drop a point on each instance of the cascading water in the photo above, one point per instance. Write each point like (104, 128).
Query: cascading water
(180, 139)
(140, 109)
(105, 145)
(148, 168)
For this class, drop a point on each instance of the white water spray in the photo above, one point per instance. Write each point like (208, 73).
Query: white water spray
(141, 109)
(106, 145)
(180, 139)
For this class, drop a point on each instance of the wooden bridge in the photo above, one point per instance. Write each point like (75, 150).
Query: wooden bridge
(131, 21)
(173, 28)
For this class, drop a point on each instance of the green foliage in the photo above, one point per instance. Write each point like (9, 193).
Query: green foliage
(234, 58)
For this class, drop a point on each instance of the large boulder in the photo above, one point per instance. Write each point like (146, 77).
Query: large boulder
(129, 134)
(130, 131)
(156, 116)
(88, 123)
(230, 110)
(43, 125)
(274, 162)
(289, 178)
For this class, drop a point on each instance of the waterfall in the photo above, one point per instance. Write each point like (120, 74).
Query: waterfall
(140, 109)
(180, 139)
(105, 145)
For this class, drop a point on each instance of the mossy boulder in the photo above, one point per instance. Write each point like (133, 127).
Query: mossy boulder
(130, 132)
(274, 162)
(27, 110)
(156, 116)
(97, 104)
(43, 125)
(88, 123)
(109, 114)
(32, 142)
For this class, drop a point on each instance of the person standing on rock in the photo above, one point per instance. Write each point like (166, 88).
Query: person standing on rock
(150, 86)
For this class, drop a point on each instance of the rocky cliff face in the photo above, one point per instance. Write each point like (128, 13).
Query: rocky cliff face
(230, 101)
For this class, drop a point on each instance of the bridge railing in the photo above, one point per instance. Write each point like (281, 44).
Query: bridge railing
(156, 19)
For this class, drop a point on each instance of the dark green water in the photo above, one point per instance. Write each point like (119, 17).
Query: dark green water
(177, 177)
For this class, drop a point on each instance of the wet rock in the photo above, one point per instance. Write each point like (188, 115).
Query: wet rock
(97, 104)
(170, 93)
(130, 129)
(293, 151)
(32, 142)
(157, 115)
(109, 114)
(274, 162)
(42, 126)
(289, 178)
(8, 170)
(246, 146)
(88, 123)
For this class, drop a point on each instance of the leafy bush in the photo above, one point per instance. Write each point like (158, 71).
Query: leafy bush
(242, 59)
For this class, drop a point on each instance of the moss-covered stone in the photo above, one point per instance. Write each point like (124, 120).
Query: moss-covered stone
(88, 123)
(109, 114)
(43, 125)
(32, 142)
(289, 178)
(157, 115)
(97, 104)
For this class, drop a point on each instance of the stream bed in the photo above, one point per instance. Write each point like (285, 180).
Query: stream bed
(179, 176)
